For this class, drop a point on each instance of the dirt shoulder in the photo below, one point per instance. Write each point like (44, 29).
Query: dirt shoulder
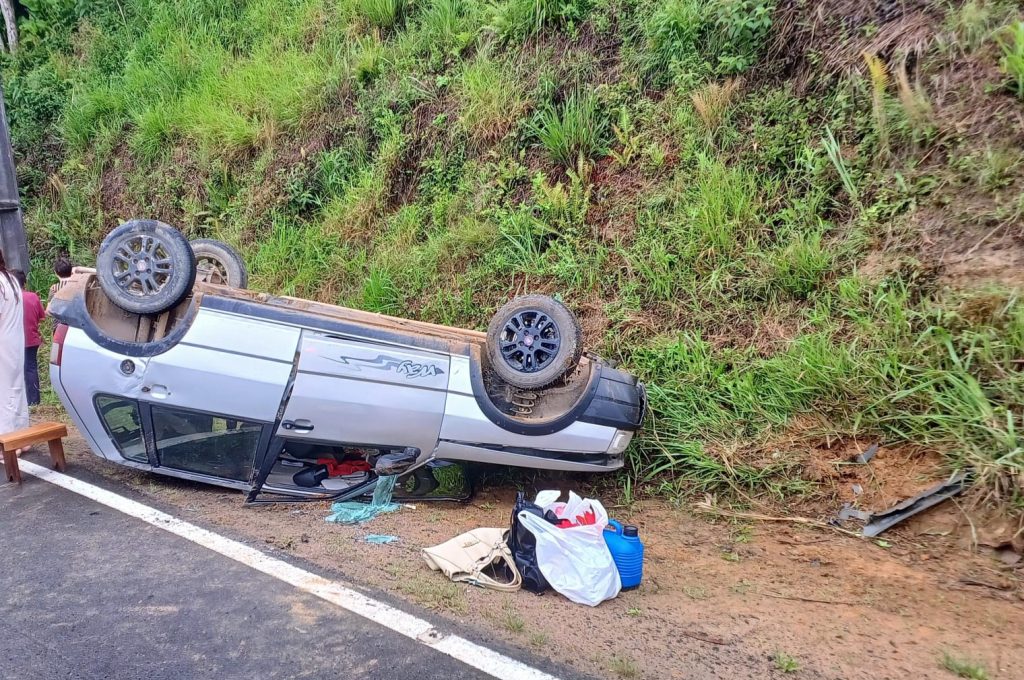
(719, 599)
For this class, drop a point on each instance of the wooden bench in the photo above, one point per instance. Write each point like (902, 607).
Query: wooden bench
(50, 433)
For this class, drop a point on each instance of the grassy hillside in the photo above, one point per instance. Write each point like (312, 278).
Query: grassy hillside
(797, 220)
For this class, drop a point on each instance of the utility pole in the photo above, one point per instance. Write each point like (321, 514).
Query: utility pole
(12, 228)
(11, 23)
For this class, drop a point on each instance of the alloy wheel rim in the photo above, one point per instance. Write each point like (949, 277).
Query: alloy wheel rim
(529, 341)
(142, 265)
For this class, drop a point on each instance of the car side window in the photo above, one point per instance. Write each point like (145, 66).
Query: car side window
(121, 418)
(205, 443)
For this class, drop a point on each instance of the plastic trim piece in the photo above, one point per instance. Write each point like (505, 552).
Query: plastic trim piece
(619, 403)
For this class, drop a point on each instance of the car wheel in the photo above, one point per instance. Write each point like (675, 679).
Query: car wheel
(145, 266)
(532, 341)
(424, 482)
(219, 263)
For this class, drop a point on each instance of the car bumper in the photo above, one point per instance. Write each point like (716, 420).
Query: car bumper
(620, 401)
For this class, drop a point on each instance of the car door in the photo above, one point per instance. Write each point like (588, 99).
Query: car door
(211, 395)
(361, 392)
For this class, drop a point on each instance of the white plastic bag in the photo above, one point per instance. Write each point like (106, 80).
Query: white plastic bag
(574, 560)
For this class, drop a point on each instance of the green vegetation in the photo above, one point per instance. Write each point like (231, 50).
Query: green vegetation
(624, 667)
(492, 100)
(785, 663)
(384, 14)
(574, 130)
(1012, 62)
(510, 618)
(963, 668)
(776, 232)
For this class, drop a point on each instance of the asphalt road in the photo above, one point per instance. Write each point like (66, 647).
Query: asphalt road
(88, 592)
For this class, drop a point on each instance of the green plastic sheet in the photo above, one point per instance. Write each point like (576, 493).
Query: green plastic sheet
(351, 512)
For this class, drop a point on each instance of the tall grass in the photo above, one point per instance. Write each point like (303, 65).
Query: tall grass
(391, 157)
(712, 102)
(492, 99)
(688, 40)
(190, 77)
(300, 260)
(1011, 41)
(447, 27)
(384, 14)
(800, 266)
(972, 24)
(925, 384)
(576, 128)
(519, 19)
(835, 156)
(673, 34)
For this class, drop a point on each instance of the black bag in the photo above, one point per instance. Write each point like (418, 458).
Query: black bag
(523, 545)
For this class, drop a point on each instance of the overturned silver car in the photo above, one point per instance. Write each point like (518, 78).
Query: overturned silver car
(205, 380)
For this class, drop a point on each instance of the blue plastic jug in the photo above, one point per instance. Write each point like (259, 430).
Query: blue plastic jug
(627, 551)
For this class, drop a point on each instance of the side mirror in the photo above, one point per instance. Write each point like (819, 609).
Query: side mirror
(391, 464)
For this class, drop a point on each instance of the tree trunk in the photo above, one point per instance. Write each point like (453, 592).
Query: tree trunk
(7, 7)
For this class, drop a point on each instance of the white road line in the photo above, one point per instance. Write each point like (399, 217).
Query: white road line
(487, 660)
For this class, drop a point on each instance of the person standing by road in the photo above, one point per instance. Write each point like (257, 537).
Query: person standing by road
(13, 405)
(62, 268)
(34, 314)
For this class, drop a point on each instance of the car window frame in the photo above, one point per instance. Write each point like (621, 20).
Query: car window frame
(149, 429)
(139, 409)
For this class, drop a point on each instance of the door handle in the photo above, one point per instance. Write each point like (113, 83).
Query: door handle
(157, 391)
(300, 426)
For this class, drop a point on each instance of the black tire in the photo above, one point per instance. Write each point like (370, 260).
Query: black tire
(217, 262)
(146, 266)
(424, 482)
(532, 341)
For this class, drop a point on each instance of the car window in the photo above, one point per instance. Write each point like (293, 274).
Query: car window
(205, 443)
(121, 418)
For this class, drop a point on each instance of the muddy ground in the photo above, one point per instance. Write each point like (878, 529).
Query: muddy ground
(720, 598)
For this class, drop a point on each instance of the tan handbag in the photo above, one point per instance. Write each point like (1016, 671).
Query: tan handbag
(465, 557)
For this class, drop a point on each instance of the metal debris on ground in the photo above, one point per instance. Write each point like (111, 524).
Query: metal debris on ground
(882, 521)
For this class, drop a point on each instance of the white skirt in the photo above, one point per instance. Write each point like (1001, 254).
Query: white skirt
(13, 402)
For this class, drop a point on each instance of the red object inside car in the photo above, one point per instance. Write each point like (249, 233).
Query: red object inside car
(337, 468)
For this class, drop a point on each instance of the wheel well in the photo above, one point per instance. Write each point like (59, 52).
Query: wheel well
(554, 408)
(123, 332)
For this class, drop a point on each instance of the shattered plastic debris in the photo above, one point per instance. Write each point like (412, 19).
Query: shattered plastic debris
(849, 512)
(380, 538)
(351, 512)
(866, 456)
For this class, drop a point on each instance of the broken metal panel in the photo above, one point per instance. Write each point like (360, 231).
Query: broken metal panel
(12, 228)
(883, 521)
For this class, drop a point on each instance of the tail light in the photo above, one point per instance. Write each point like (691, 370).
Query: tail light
(57, 348)
(620, 441)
